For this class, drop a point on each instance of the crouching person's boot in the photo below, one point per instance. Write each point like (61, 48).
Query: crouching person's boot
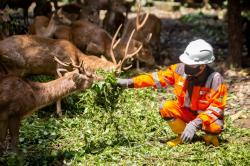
(211, 139)
(177, 126)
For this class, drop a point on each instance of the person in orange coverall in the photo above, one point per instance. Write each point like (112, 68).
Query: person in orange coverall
(200, 92)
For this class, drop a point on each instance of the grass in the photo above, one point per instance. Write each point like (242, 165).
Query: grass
(125, 130)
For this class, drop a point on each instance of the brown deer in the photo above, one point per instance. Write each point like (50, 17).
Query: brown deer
(26, 55)
(151, 25)
(92, 39)
(46, 27)
(149, 34)
(75, 12)
(23, 55)
(31, 96)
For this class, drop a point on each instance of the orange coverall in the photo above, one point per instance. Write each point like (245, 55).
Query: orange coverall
(207, 102)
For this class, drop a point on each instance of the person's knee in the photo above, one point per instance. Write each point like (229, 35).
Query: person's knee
(215, 128)
(167, 109)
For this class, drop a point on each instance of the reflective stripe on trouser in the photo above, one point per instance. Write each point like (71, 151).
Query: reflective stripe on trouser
(171, 109)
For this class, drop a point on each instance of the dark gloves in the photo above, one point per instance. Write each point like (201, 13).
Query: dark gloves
(126, 83)
(190, 129)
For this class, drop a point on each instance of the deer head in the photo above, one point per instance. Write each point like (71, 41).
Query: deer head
(90, 14)
(61, 17)
(145, 55)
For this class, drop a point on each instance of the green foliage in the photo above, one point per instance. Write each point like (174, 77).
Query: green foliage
(123, 130)
(192, 18)
(206, 26)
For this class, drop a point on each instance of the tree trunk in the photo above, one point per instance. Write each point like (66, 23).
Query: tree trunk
(234, 34)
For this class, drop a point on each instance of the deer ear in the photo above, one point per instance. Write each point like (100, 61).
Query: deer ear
(148, 38)
(59, 11)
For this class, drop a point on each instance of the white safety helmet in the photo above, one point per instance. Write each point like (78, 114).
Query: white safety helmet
(198, 52)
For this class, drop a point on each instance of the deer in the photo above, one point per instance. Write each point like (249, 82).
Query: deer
(92, 39)
(114, 17)
(95, 40)
(88, 37)
(151, 25)
(61, 20)
(148, 32)
(46, 27)
(31, 96)
(23, 55)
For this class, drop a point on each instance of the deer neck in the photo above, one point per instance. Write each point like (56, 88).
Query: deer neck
(50, 92)
(51, 28)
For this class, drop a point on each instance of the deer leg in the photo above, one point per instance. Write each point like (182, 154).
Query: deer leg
(3, 134)
(14, 126)
(59, 107)
(58, 102)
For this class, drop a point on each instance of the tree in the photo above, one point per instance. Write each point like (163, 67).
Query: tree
(234, 34)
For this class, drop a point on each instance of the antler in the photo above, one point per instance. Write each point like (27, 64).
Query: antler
(61, 63)
(126, 56)
(138, 24)
(72, 64)
(114, 44)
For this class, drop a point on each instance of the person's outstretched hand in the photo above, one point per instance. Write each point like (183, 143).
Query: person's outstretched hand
(190, 130)
(125, 83)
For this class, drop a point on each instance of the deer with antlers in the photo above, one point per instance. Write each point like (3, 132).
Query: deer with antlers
(31, 96)
(46, 27)
(23, 55)
(148, 29)
(92, 39)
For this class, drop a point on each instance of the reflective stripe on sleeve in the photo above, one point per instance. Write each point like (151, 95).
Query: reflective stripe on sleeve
(216, 110)
(210, 113)
(156, 80)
